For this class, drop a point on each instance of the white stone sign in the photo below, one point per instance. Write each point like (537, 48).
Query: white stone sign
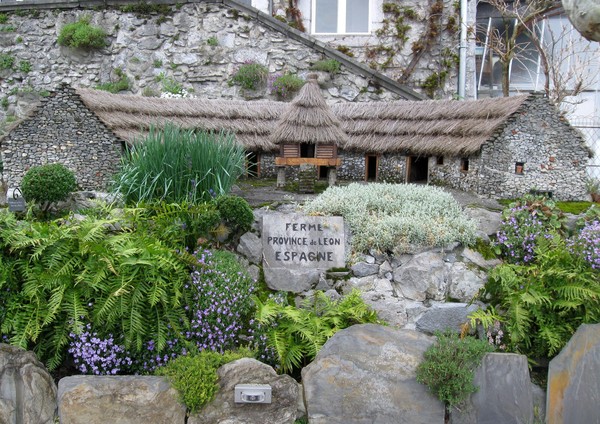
(299, 242)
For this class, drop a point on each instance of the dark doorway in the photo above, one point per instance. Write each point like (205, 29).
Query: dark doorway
(252, 165)
(371, 168)
(307, 150)
(323, 172)
(417, 169)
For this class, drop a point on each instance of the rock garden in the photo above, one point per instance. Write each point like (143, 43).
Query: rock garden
(153, 302)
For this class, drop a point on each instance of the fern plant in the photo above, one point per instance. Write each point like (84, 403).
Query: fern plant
(126, 282)
(297, 334)
(542, 305)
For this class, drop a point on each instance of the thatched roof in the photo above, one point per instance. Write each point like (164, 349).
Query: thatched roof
(130, 117)
(308, 119)
(436, 127)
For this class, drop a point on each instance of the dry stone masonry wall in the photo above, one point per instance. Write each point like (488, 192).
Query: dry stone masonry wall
(63, 130)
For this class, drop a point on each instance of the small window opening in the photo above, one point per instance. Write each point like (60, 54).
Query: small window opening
(519, 168)
(440, 160)
(307, 150)
(464, 164)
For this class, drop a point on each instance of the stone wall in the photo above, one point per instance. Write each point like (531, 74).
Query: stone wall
(553, 154)
(197, 45)
(63, 130)
(452, 172)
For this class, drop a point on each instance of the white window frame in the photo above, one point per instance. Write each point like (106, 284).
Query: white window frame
(341, 22)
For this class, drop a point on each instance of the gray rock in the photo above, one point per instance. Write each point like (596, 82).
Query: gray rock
(464, 283)
(573, 383)
(445, 316)
(539, 403)
(366, 374)
(385, 269)
(254, 272)
(222, 410)
(585, 16)
(477, 259)
(292, 280)
(504, 394)
(27, 390)
(86, 399)
(363, 269)
(422, 277)
(251, 247)
(488, 222)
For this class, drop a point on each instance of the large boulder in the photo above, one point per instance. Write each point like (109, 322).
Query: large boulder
(27, 390)
(488, 222)
(504, 394)
(223, 410)
(84, 399)
(366, 374)
(463, 282)
(574, 380)
(422, 277)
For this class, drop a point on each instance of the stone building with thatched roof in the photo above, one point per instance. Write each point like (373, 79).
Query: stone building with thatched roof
(502, 147)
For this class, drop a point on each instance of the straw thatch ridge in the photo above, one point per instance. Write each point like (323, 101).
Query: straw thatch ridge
(308, 119)
(437, 127)
(130, 117)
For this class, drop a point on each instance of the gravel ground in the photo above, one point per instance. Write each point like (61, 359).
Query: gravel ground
(264, 192)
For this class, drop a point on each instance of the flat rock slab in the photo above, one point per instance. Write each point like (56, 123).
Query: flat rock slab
(365, 374)
(223, 409)
(446, 316)
(574, 380)
(27, 390)
(86, 399)
(504, 394)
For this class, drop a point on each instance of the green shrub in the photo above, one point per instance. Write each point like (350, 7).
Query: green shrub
(236, 212)
(179, 224)
(47, 184)
(286, 85)
(81, 34)
(250, 76)
(542, 304)
(297, 334)
(82, 272)
(396, 217)
(195, 376)
(3, 18)
(176, 165)
(6, 61)
(122, 84)
(330, 65)
(169, 85)
(449, 365)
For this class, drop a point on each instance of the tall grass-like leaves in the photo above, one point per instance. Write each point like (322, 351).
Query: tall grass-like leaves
(175, 165)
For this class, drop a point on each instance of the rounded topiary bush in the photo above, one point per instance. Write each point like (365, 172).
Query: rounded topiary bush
(48, 183)
(235, 211)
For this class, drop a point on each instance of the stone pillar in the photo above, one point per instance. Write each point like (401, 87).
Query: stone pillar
(332, 176)
(281, 176)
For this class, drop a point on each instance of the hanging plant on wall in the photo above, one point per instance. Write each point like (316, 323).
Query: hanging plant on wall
(82, 34)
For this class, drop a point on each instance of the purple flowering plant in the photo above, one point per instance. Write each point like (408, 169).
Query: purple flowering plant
(285, 85)
(218, 307)
(523, 223)
(586, 243)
